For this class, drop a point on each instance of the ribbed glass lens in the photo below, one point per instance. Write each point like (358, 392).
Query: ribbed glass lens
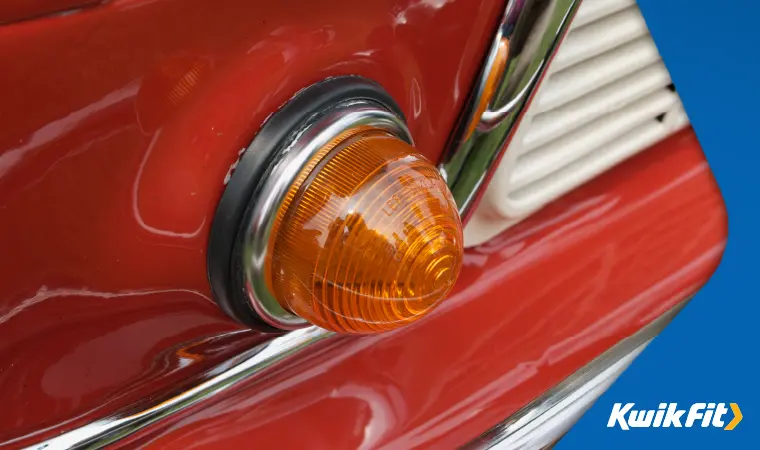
(368, 238)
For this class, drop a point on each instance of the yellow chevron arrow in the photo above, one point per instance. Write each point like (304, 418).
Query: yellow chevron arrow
(737, 417)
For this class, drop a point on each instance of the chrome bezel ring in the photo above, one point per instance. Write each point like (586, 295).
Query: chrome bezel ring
(255, 191)
(290, 160)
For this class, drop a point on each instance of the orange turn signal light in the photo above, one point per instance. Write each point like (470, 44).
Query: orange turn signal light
(368, 237)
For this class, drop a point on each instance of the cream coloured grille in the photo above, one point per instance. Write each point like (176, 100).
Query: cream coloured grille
(606, 96)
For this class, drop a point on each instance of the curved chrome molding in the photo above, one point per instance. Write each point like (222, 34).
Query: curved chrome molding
(243, 367)
(533, 30)
(291, 159)
(545, 420)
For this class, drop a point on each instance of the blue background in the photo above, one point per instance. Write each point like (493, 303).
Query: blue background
(709, 352)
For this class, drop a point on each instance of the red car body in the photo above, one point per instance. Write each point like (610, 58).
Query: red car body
(122, 119)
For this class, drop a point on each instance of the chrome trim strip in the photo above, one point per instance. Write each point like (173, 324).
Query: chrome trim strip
(538, 430)
(290, 159)
(540, 423)
(533, 29)
(243, 367)
(546, 419)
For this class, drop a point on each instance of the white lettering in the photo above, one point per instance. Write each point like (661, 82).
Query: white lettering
(673, 416)
(719, 411)
(640, 419)
(618, 415)
(708, 415)
(668, 415)
(695, 413)
(660, 413)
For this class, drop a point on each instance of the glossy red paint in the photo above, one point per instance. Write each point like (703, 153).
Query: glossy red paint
(13, 10)
(120, 123)
(532, 306)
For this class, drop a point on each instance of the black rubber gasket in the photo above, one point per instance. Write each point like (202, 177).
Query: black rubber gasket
(224, 249)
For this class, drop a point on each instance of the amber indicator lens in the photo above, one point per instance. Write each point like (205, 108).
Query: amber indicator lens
(368, 238)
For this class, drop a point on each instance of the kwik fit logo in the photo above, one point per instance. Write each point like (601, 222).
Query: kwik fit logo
(669, 415)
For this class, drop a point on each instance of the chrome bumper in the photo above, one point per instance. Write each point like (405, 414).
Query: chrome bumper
(546, 419)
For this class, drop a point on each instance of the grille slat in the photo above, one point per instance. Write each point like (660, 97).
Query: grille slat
(606, 96)
(550, 158)
(600, 36)
(584, 78)
(593, 163)
(552, 124)
(593, 10)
